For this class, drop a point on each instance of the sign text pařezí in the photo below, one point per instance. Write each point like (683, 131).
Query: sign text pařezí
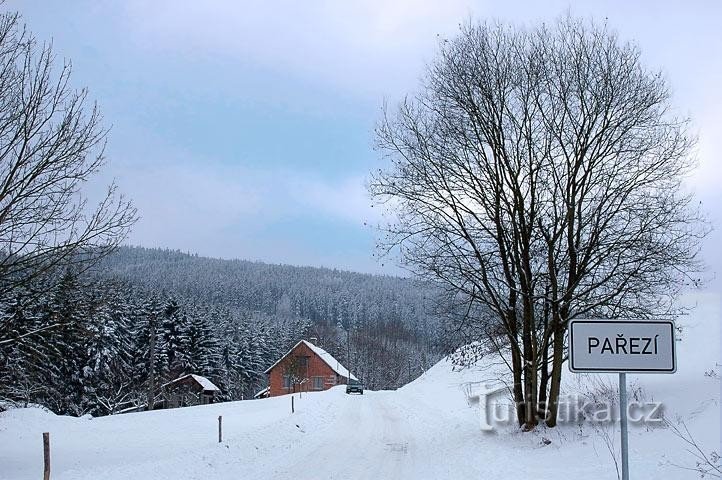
(622, 346)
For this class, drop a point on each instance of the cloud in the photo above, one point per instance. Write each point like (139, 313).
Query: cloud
(350, 45)
(344, 199)
(225, 207)
(230, 117)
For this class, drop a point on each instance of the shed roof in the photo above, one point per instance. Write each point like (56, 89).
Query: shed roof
(262, 392)
(325, 356)
(206, 384)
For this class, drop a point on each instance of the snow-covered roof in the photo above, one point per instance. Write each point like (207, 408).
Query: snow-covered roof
(325, 356)
(202, 381)
(262, 392)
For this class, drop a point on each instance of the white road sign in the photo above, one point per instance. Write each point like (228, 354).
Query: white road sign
(645, 346)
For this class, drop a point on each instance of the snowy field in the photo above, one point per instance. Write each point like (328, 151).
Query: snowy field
(425, 430)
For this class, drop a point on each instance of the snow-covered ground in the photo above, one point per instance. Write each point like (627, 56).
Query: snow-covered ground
(425, 430)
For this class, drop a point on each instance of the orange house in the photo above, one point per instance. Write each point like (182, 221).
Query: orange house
(306, 367)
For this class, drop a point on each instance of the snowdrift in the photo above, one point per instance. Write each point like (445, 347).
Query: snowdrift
(428, 429)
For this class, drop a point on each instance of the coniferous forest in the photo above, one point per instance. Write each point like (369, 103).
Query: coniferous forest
(81, 343)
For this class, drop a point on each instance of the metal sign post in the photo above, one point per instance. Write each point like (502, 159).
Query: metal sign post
(616, 346)
(623, 426)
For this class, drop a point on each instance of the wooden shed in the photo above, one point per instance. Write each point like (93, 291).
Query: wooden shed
(188, 390)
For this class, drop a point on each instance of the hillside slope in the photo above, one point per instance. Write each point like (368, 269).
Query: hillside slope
(322, 295)
(391, 321)
(425, 430)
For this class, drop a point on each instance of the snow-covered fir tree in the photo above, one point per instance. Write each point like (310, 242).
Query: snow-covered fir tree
(108, 339)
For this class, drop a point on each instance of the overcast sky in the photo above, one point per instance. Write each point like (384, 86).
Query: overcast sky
(243, 129)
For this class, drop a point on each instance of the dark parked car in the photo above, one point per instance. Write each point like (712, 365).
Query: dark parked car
(355, 386)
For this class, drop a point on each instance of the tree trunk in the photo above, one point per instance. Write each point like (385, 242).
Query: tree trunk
(544, 360)
(530, 367)
(544, 380)
(151, 368)
(516, 367)
(556, 377)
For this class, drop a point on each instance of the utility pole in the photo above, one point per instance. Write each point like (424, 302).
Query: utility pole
(348, 353)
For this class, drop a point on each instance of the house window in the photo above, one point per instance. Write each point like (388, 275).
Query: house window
(302, 361)
(286, 381)
(318, 383)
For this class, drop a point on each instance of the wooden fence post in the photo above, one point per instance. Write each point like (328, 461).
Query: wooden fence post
(292, 410)
(46, 456)
(220, 428)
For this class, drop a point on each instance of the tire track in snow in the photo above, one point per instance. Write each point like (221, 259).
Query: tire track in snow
(370, 440)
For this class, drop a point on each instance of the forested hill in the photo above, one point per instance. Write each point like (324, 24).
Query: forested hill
(102, 341)
(326, 297)
(385, 324)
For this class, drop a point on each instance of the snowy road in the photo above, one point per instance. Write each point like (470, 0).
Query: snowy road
(372, 436)
(394, 435)
(415, 433)
(370, 431)
(426, 430)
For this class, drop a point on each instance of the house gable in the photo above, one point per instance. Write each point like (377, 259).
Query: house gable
(304, 368)
(326, 357)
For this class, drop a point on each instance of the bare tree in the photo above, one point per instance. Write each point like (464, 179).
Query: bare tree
(706, 463)
(51, 143)
(296, 370)
(537, 176)
(115, 396)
